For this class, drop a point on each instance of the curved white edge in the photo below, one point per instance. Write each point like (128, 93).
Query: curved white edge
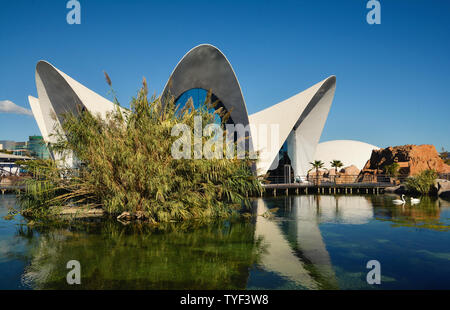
(300, 121)
(94, 102)
(63, 93)
(58, 94)
(38, 116)
(48, 114)
(349, 152)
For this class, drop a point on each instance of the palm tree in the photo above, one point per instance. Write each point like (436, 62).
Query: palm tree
(336, 164)
(392, 171)
(317, 164)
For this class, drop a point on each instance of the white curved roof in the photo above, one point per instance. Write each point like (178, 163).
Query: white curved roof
(300, 120)
(349, 152)
(58, 94)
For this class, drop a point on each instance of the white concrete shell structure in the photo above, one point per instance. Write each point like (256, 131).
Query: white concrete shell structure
(299, 119)
(349, 152)
(60, 94)
(206, 67)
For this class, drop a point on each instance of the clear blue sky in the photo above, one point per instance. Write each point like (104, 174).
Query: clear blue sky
(392, 79)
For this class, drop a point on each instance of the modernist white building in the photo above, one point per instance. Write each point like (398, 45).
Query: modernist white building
(300, 119)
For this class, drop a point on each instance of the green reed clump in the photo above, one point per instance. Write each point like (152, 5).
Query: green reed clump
(124, 163)
(423, 182)
(44, 185)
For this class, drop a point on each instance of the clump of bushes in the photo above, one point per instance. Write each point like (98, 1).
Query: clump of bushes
(125, 165)
(423, 182)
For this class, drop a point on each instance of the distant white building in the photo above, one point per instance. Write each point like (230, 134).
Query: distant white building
(349, 152)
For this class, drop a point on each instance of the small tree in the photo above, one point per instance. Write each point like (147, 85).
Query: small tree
(392, 170)
(317, 164)
(423, 182)
(336, 164)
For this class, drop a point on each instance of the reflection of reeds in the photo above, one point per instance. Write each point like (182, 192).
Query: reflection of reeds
(112, 256)
(425, 215)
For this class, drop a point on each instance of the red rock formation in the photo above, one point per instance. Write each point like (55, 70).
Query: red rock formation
(347, 175)
(412, 159)
(350, 170)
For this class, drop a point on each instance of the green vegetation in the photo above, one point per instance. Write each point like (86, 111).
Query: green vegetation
(392, 169)
(423, 182)
(48, 182)
(124, 164)
(336, 164)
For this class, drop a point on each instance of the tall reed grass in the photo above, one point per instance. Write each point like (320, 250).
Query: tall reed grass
(124, 163)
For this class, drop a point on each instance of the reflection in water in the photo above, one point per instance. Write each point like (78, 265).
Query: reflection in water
(294, 247)
(344, 209)
(312, 242)
(305, 259)
(216, 256)
(279, 256)
(426, 214)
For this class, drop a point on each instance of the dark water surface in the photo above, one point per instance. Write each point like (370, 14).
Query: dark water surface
(313, 242)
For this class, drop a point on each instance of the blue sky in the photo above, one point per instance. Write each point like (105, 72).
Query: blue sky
(392, 78)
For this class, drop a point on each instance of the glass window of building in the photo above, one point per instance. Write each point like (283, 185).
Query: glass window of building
(198, 96)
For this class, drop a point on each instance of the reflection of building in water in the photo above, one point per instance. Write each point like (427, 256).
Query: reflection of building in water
(307, 261)
(279, 256)
(307, 215)
(342, 209)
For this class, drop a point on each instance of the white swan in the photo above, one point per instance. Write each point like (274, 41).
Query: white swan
(398, 201)
(414, 200)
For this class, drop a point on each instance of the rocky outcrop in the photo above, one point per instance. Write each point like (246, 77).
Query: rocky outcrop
(350, 170)
(321, 172)
(412, 159)
(347, 175)
(443, 188)
(318, 178)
